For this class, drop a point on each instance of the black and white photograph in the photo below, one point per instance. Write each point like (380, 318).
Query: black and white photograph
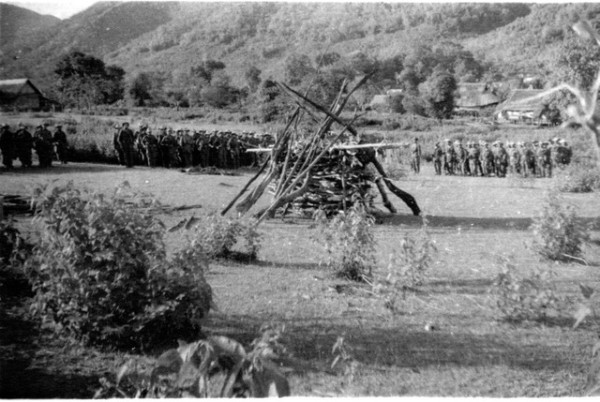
(309, 199)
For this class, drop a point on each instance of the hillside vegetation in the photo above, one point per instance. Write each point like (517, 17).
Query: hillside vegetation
(170, 36)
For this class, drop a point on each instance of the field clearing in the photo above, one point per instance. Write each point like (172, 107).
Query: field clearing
(473, 221)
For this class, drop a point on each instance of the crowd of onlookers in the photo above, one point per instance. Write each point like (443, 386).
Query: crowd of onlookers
(20, 145)
(184, 148)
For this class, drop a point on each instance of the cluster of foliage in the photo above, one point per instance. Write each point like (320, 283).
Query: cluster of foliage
(558, 234)
(526, 298)
(190, 370)
(216, 236)
(205, 83)
(84, 81)
(100, 272)
(579, 179)
(14, 251)
(349, 242)
(407, 267)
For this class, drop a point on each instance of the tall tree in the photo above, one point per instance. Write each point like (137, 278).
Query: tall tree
(84, 80)
(438, 93)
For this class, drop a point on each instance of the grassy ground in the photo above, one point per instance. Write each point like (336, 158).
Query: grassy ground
(473, 221)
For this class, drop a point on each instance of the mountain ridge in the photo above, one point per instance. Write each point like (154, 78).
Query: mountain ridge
(173, 37)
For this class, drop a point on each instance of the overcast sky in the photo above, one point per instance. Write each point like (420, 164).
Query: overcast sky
(59, 8)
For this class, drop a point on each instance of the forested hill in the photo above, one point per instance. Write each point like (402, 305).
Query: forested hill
(17, 22)
(174, 37)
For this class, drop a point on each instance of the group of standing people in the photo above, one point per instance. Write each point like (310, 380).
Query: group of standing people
(183, 149)
(528, 159)
(21, 144)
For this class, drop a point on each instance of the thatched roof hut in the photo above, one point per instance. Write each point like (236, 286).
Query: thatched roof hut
(21, 94)
(473, 97)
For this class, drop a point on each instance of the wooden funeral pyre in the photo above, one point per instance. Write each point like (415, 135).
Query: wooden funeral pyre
(319, 170)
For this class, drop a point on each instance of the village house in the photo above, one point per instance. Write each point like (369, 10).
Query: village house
(521, 107)
(474, 98)
(20, 94)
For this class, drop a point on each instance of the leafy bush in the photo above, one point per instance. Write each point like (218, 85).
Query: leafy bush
(415, 255)
(531, 298)
(557, 233)
(579, 179)
(407, 268)
(100, 271)
(13, 252)
(216, 236)
(348, 241)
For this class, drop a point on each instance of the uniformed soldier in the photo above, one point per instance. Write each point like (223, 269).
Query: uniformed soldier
(546, 160)
(169, 143)
(162, 132)
(126, 140)
(449, 158)
(222, 151)
(415, 156)
(150, 144)
(528, 160)
(203, 149)
(501, 160)
(23, 145)
(514, 156)
(7, 146)
(438, 158)
(233, 146)
(117, 146)
(186, 147)
(140, 151)
(461, 159)
(487, 159)
(61, 144)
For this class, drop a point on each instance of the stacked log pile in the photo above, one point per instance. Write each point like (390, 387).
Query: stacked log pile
(315, 170)
(335, 183)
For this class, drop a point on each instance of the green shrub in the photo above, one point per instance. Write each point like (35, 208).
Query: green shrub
(100, 272)
(558, 235)
(531, 298)
(216, 236)
(579, 179)
(14, 251)
(406, 268)
(349, 242)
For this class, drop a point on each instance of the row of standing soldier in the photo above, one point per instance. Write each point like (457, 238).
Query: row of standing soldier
(181, 149)
(536, 159)
(20, 144)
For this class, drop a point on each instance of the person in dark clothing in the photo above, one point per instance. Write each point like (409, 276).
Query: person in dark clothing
(117, 146)
(61, 144)
(7, 146)
(23, 145)
(126, 140)
(42, 142)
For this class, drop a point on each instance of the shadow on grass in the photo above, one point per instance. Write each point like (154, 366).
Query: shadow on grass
(398, 347)
(310, 266)
(70, 168)
(471, 222)
(19, 378)
(461, 286)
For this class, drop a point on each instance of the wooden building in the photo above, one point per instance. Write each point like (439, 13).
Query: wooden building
(20, 94)
(473, 98)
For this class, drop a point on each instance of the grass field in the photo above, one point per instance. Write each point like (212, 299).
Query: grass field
(474, 222)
